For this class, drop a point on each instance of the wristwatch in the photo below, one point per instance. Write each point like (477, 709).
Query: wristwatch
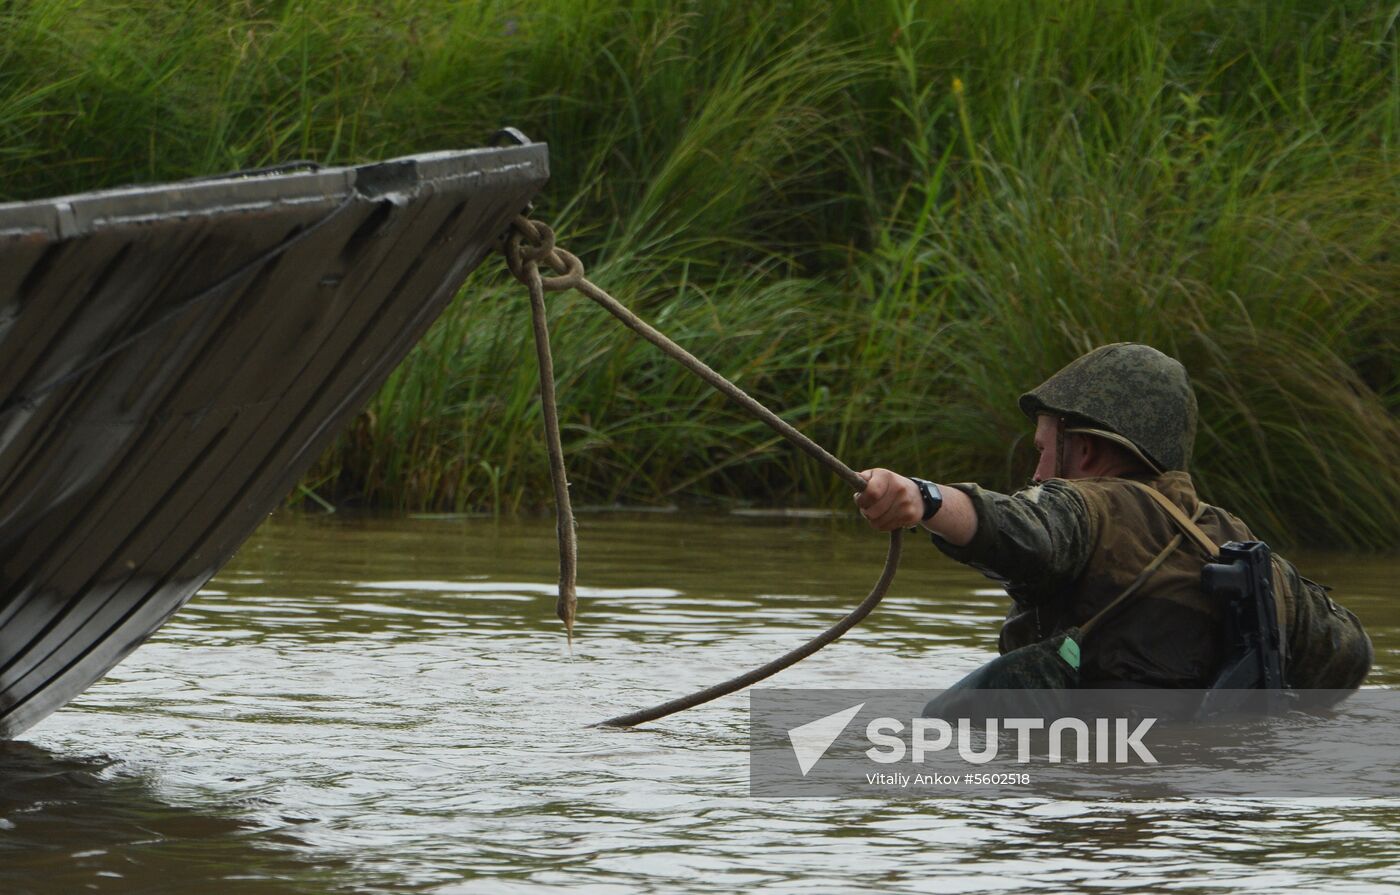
(933, 497)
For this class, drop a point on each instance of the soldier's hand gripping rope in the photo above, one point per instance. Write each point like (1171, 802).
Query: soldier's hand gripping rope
(530, 245)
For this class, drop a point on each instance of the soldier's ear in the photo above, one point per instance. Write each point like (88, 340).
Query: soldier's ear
(1088, 455)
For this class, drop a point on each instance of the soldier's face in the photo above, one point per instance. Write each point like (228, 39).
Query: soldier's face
(1075, 460)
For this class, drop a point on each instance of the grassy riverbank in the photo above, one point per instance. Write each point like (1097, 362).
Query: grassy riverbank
(884, 220)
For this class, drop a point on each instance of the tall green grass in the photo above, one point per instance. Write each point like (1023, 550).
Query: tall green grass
(886, 220)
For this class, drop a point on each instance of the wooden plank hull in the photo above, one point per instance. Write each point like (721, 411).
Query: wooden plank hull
(173, 359)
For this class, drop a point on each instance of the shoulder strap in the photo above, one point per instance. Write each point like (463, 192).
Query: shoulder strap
(1187, 526)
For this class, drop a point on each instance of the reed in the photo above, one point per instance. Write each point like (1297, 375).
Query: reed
(886, 220)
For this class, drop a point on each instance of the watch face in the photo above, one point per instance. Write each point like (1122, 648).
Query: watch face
(933, 497)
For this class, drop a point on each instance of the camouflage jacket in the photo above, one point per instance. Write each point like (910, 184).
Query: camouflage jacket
(1065, 549)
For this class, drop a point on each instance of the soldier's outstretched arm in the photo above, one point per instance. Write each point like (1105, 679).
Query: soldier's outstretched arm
(892, 501)
(1036, 541)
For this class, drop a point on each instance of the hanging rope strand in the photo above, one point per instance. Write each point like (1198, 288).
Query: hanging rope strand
(567, 605)
(530, 244)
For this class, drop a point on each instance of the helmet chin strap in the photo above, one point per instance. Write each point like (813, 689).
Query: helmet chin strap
(1059, 447)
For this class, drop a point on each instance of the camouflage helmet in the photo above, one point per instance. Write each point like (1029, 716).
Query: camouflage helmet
(1131, 391)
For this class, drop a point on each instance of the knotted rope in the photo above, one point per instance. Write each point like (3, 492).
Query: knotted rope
(529, 245)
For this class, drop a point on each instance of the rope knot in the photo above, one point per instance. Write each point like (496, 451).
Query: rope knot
(531, 244)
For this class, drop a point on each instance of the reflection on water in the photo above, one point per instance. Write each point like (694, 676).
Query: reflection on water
(71, 823)
(388, 705)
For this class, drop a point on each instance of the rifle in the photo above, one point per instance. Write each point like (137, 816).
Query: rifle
(1243, 580)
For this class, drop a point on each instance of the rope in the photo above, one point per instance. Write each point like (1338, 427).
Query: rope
(567, 605)
(530, 244)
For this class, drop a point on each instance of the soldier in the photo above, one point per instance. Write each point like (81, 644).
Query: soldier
(1095, 547)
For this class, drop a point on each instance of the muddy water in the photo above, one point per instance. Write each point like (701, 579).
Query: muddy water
(387, 705)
